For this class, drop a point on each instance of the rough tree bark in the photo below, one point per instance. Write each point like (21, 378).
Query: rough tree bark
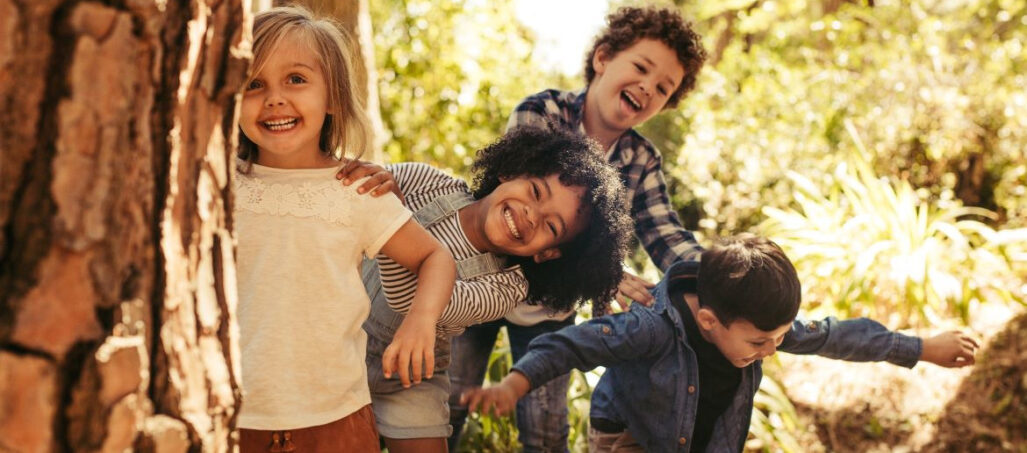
(117, 278)
(356, 19)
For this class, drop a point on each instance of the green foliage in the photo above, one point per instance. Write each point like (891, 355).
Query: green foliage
(937, 88)
(924, 222)
(883, 249)
(774, 423)
(450, 73)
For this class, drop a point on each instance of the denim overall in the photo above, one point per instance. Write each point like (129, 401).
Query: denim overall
(383, 322)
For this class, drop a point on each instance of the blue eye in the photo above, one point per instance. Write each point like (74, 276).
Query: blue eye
(254, 84)
(297, 79)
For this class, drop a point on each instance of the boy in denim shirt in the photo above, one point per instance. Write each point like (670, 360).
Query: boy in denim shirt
(681, 375)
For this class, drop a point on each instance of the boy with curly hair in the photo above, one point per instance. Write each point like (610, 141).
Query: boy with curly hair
(681, 375)
(642, 63)
(544, 222)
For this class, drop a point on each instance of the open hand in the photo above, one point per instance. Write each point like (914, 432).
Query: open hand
(951, 349)
(412, 351)
(379, 183)
(496, 400)
(633, 289)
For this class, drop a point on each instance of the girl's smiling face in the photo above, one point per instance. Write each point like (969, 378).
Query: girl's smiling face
(284, 107)
(532, 216)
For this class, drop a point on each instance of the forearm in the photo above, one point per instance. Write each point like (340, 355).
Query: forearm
(517, 383)
(855, 340)
(656, 223)
(435, 277)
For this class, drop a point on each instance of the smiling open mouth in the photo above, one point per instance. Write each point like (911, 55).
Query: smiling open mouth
(510, 223)
(281, 125)
(631, 100)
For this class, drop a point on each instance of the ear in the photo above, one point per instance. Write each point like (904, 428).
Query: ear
(706, 319)
(600, 58)
(547, 254)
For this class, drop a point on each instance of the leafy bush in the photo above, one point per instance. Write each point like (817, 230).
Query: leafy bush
(871, 246)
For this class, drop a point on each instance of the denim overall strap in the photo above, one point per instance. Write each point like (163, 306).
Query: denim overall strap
(448, 205)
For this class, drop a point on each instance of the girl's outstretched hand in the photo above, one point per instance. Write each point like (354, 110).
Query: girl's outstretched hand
(951, 349)
(412, 351)
(380, 180)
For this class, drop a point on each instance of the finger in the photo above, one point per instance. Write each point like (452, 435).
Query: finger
(415, 365)
(374, 181)
(403, 367)
(429, 363)
(474, 402)
(969, 339)
(384, 188)
(623, 301)
(344, 172)
(635, 290)
(388, 361)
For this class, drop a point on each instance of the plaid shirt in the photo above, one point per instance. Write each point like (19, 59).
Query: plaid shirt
(639, 163)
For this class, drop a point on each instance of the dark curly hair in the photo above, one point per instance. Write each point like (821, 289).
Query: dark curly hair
(629, 24)
(589, 267)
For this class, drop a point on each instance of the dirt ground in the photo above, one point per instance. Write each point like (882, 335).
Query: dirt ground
(849, 407)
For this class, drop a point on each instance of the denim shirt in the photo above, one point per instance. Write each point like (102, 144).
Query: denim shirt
(651, 381)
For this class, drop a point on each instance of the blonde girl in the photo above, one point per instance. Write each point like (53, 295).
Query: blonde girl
(301, 238)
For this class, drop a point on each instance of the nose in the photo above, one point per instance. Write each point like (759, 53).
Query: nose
(769, 349)
(645, 89)
(274, 99)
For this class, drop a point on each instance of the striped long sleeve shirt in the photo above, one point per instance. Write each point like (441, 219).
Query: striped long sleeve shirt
(481, 299)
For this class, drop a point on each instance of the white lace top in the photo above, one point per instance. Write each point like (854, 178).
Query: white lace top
(301, 236)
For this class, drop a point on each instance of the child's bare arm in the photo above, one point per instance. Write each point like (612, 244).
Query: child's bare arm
(498, 399)
(951, 349)
(380, 182)
(413, 345)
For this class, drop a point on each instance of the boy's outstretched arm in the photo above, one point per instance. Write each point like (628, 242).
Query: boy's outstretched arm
(498, 399)
(951, 349)
(866, 340)
(413, 345)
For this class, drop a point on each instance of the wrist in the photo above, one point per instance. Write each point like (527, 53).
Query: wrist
(518, 383)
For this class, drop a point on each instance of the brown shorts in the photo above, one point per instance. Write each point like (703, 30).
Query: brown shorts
(353, 433)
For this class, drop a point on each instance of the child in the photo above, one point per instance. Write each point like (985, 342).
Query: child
(300, 241)
(645, 61)
(681, 375)
(545, 221)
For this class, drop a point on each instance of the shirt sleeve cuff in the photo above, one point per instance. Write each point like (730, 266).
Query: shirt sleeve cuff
(905, 350)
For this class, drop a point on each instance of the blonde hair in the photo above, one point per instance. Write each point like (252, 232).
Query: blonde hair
(346, 128)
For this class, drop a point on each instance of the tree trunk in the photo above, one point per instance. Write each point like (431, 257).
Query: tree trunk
(117, 281)
(356, 19)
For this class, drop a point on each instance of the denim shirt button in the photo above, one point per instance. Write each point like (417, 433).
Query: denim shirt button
(812, 325)
(606, 329)
(691, 389)
(682, 441)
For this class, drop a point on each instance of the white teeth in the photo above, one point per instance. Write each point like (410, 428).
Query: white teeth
(510, 224)
(634, 102)
(281, 125)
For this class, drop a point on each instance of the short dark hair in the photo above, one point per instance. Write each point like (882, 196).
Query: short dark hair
(629, 24)
(589, 267)
(749, 277)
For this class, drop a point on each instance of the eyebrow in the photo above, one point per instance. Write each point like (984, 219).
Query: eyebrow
(549, 192)
(667, 79)
(302, 65)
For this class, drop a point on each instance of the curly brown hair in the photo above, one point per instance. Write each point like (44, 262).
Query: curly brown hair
(590, 265)
(629, 24)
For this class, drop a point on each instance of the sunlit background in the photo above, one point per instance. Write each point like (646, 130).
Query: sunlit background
(881, 143)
